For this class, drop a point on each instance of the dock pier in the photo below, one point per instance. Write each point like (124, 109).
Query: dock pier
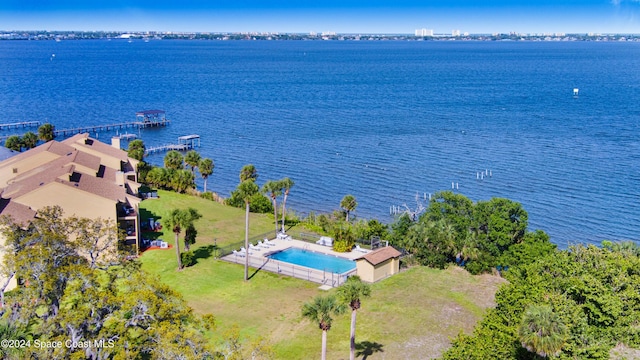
(144, 119)
(185, 143)
(22, 124)
(124, 125)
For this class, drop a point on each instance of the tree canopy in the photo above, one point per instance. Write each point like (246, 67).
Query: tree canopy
(589, 295)
(248, 172)
(348, 204)
(14, 143)
(173, 160)
(67, 298)
(29, 140)
(481, 236)
(206, 167)
(136, 149)
(46, 132)
(192, 159)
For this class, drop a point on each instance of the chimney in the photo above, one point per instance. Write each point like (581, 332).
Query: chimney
(115, 142)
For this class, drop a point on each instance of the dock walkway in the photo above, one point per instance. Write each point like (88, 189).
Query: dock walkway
(22, 124)
(124, 125)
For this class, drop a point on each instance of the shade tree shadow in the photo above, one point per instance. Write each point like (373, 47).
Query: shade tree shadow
(205, 252)
(367, 348)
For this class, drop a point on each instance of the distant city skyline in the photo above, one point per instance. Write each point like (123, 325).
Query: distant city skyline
(347, 16)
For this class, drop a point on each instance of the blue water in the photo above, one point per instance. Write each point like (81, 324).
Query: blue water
(314, 260)
(383, 121)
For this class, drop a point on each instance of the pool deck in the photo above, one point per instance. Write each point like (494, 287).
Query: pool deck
(282, 244)
(258, 258)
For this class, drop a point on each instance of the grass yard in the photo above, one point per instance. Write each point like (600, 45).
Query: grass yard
(412, 315)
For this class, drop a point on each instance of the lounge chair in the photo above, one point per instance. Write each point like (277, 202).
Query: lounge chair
(263, 244)
(254, 247)
(325, 241)
(269, 242)
(238, 253)
(358, 248)
(244, 251)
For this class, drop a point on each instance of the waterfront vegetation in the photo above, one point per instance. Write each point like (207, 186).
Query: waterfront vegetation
(405, 314)
(591, 294)
(397, 319)
(29, 140)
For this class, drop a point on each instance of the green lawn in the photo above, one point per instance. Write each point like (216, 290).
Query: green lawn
(410, 315)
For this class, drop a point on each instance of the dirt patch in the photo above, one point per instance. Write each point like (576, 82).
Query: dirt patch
(622, 352)
(430, 346)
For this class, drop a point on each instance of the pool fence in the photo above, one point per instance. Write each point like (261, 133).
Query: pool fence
(260, 263)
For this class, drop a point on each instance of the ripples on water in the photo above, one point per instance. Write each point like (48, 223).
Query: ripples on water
(380, 120)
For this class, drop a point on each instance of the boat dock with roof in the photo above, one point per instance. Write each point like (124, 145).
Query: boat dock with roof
(187, 142)
(151, 118)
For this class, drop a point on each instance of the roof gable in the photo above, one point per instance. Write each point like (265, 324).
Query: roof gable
(83, 141)
(381, 255)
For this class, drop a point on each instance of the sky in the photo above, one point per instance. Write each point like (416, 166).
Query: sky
(339, 16)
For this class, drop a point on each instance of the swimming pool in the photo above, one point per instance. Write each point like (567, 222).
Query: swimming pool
(314, 260)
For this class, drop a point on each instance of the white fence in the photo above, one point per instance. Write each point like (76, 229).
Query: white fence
(275, 266)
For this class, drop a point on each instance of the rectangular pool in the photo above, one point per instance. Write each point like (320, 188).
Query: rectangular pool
(314, 260)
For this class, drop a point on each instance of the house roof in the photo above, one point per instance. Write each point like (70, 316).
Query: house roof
(98, 186)
(36, 177)
(88, 160)
(21, 214)
(381, 255)
(81, 141)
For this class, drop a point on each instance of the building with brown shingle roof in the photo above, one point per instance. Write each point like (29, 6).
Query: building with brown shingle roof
(378, 264)
(83, 176)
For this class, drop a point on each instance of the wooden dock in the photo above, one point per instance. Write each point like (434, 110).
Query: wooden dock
(167, 147)
(185, 143)
(96, 128)
(22, 124)
(124, 125)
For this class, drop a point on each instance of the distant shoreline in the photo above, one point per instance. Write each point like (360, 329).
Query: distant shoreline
(156, 35)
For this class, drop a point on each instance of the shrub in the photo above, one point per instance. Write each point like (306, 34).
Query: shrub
(343, 239)
(259, 203)
(188, 258)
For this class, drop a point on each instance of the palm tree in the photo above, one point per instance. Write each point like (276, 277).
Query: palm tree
(181, 180)
(248, 172)
(320, 311)
(348, 204)
(136, 149)
(468, 249)
(206, 169)
(13, 142)
(274, 189)
(350, 294)
(190, 230)
(174, 221)
(158, 176)
(46, 132)
(287, 184)
(29, 140)
(192, 159)
(173, 160)
(542, 331)
(246, 190)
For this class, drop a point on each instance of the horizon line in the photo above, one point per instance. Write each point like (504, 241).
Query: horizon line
(326, 33)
